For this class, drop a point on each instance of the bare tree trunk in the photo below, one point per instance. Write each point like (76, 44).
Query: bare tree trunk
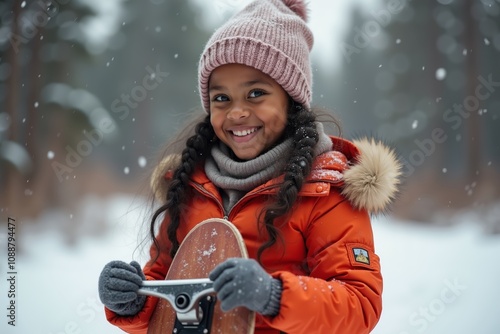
(473, 154)
(33, 99)
(38, 197)
(13, 176)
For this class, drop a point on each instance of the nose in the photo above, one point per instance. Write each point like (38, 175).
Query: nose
(237, 112)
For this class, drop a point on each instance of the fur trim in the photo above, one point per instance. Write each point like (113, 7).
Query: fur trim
(159, 181)
(299, 7)
(372, 182)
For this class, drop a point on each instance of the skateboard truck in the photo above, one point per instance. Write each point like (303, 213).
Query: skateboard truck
(187, 298)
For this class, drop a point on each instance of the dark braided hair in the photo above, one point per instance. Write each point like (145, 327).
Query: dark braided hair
(300, 126)
(197, 148)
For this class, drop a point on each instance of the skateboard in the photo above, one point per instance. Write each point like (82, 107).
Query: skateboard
(187, 303)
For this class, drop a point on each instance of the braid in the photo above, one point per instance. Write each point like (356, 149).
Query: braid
(196, 149)
(302, 128)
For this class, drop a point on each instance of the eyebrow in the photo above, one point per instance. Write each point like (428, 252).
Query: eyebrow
(245, 84)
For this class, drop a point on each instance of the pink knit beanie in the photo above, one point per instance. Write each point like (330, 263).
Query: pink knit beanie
(269, 35)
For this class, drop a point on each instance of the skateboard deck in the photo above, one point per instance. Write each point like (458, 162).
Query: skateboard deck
(208, 244)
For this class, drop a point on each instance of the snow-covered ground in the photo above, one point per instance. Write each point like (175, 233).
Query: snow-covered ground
(437, 280)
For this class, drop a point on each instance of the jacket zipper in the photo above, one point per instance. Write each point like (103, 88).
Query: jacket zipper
(207, 193)
(202, 190)
(250, 195)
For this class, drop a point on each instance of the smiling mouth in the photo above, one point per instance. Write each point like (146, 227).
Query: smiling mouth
(243, 133)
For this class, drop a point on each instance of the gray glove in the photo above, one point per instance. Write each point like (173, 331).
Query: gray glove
(243, 282)
(118, 285)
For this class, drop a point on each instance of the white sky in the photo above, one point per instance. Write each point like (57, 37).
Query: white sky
(100, 28)
(328, 21)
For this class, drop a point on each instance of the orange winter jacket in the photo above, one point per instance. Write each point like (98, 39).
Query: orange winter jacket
(330, 272)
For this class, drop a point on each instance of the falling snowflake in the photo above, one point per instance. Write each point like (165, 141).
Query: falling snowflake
(440, 74)
(50, 155)
(142, 162)
(126, 170)
(414, 124)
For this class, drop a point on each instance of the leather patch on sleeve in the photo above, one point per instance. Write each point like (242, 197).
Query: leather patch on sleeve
(360, 255)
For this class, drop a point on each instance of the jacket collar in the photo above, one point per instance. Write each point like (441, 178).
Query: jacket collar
(365, 170)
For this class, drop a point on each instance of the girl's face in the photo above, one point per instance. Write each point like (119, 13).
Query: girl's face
(248, 109)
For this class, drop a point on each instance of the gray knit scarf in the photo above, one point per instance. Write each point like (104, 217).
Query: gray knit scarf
(236, 178)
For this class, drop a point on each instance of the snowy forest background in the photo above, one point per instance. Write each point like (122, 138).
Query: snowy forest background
(90, 90)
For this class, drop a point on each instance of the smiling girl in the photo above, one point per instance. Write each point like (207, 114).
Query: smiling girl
(259, 158)
(248, 109)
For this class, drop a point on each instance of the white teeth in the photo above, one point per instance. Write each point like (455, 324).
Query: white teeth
(244, 132)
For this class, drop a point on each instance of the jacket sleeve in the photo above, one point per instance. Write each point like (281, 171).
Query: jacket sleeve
(153, 270)
(342, 293)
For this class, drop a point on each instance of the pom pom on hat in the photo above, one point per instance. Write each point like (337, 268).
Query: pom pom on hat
(269, 35)
(299, 7)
